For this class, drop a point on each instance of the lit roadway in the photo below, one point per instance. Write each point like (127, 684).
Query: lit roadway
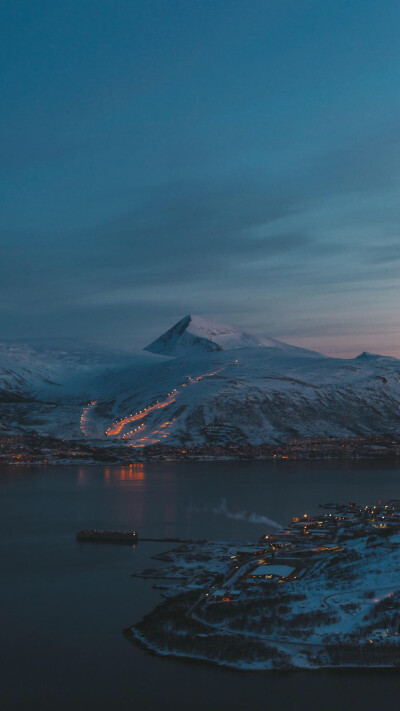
(117, 427)
(85, 418)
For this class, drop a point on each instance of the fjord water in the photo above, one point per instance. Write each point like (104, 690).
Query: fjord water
(64, 605)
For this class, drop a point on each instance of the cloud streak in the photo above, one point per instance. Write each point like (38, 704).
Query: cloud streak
(184, 162)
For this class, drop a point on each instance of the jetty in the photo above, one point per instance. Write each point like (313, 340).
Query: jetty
(99, 535)
(107, 536)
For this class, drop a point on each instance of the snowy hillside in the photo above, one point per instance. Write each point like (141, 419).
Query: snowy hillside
(219, 388)
(57, 368)
(255, 395)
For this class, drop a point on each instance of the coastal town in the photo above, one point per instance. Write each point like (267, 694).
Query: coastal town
(323, 592)
(32, 448)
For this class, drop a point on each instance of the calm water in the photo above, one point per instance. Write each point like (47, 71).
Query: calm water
(64, 605)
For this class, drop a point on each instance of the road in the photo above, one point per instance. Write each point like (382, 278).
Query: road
(118, 427)
(85, 418)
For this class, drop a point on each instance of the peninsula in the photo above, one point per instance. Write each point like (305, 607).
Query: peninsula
(322, 593)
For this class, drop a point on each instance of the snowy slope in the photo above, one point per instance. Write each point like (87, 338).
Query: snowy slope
(208, 393)
(65, 372)
(263, 397)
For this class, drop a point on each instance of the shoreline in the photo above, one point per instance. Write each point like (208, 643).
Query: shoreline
(154, 460)
(31, 448)
(143, 643)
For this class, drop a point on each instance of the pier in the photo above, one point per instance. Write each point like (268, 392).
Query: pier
(107, 536)
(127, 537)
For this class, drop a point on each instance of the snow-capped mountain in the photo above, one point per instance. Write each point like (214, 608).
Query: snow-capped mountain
(199, 382)
(196, 334)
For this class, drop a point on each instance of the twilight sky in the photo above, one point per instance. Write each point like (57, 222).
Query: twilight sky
(236, 159)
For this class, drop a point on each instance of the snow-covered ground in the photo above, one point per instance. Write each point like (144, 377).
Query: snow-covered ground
(226, 386)
(329, 606)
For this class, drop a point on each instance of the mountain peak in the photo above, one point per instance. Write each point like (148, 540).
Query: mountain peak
(195, 333)
(191, 332)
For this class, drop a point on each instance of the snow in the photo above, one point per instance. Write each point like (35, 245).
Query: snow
(244, 393)
(326, 618)
(197, 333)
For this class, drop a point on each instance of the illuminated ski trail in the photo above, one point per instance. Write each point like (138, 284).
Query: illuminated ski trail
(162, 433)
(85, 418)
(116, 428)
(119, 425)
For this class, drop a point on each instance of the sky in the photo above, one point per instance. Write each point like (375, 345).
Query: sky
(235, 159)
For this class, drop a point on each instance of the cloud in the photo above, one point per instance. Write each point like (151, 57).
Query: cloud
(384, 253)
(368, 164)
(289, 242)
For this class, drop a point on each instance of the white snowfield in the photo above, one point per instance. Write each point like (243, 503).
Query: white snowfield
(200, 382)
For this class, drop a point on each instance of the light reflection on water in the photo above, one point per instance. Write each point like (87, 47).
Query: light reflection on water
(131, 472)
